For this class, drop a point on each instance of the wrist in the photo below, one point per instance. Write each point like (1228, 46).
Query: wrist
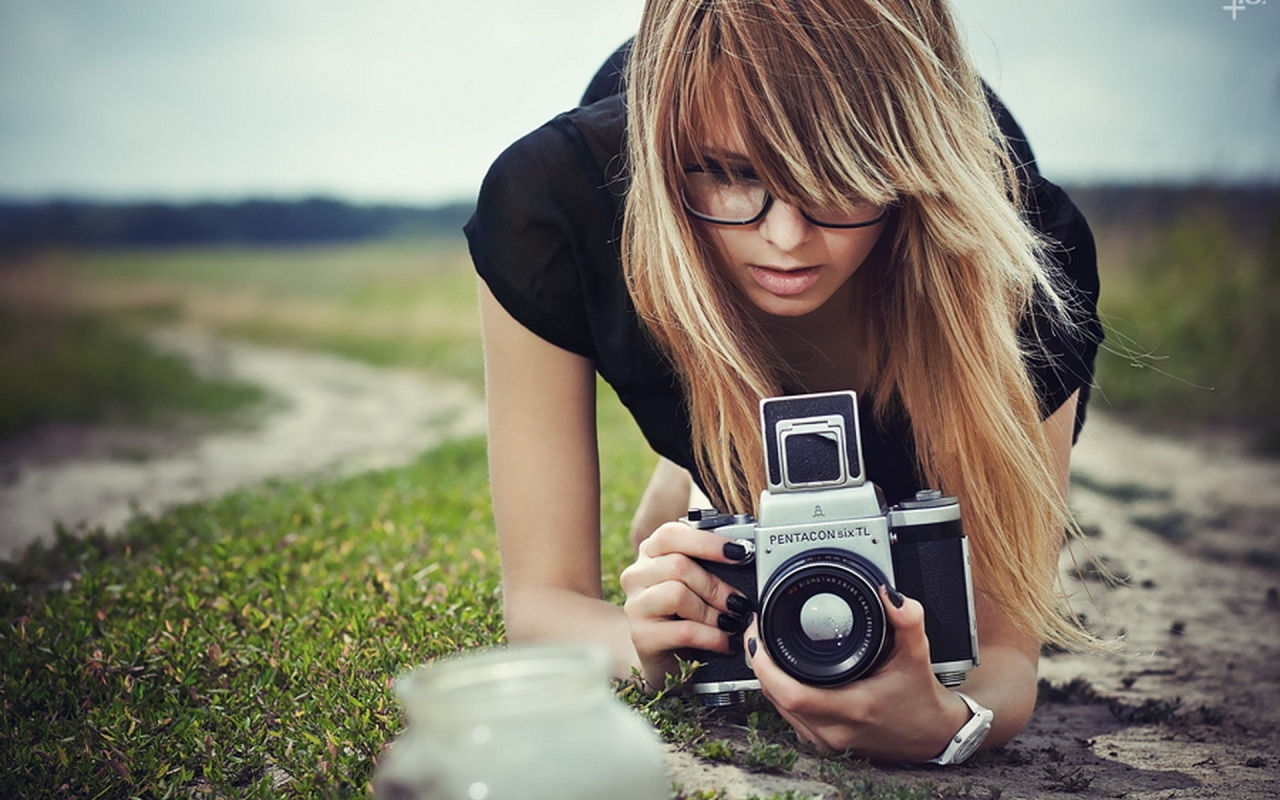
(974, 726)
(954, 716)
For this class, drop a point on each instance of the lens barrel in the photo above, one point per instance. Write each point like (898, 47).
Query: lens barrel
(822, 620)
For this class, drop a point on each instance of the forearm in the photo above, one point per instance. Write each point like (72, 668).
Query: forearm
(554, 614)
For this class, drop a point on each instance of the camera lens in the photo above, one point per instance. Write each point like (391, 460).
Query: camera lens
(822, 620)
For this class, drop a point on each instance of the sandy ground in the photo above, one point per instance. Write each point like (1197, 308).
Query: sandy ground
(326, 415)
(1187, 707)
(1189, 704)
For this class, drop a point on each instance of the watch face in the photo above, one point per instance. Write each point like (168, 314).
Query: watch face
(975, 738)
(968, 747)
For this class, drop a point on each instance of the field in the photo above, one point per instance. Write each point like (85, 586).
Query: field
(1191, 301)
(243, 646)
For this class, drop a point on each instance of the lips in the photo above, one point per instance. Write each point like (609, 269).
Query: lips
(785, 282)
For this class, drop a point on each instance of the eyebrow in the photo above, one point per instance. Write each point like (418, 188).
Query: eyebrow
(719, 156)
(727, 163)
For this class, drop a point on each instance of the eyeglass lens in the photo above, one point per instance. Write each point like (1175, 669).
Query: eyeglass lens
(734, 195)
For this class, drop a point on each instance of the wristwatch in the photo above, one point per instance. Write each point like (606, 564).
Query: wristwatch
(970, 737)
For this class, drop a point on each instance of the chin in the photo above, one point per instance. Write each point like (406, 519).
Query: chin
(800, 306)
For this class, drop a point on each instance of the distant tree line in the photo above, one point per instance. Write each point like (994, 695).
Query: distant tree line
(250, 221)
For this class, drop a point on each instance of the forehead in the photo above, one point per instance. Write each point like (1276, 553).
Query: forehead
(714, 128)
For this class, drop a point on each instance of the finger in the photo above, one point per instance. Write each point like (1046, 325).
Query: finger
(787, 694)
(677, 537)
(777, 686)
(907, 617)
(682, 569)
(652, 635)
(673, 599)
(805, 732)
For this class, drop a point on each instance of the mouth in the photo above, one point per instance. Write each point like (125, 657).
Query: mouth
(785, 282)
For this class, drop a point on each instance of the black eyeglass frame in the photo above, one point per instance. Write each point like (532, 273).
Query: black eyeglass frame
(764, 209)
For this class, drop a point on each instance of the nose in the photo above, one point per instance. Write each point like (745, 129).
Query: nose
(785, 227)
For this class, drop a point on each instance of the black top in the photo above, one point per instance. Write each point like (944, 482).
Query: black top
(545, 238)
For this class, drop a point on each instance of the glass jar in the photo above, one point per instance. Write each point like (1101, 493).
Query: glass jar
(527, 722)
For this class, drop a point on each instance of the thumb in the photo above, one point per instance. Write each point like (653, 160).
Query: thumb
(907, 617)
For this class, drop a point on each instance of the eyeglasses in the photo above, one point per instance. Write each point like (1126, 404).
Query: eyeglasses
(736, 196)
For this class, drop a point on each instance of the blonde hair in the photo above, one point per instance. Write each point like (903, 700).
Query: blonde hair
(841, 99)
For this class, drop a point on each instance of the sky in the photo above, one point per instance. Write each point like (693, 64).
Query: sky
(411, 100)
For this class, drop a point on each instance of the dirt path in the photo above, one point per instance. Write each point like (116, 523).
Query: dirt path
(328, 415)
(1189, 705)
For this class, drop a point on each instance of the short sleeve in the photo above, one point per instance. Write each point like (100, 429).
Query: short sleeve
(523, 236)
(1061, 352)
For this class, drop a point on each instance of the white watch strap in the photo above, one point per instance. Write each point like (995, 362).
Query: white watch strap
(970, 737)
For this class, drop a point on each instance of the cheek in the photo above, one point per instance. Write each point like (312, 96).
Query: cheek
(725, 246)
(848, 254)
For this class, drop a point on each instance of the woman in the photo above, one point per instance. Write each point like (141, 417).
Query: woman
(793, 196)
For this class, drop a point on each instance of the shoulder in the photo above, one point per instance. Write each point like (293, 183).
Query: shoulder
(545, 217)
(573, 148)
(1061, 351)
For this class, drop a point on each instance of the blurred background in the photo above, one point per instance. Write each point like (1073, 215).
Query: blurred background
(297, 173)
(190, 186)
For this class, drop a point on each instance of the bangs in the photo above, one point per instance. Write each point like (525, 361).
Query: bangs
(804, 124)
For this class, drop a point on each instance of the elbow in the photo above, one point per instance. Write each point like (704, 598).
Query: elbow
(519, 615)
(1011, 720)
(1015, 702)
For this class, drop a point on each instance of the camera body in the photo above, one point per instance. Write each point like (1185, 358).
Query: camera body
(823, 545)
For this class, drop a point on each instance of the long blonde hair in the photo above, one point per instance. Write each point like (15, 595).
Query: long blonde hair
(870, 99)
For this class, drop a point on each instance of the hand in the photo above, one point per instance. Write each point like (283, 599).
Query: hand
(674, 604)
(899, 712)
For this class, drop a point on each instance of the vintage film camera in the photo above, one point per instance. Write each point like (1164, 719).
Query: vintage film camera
(824, 544)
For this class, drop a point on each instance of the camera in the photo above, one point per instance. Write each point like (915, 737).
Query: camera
(823, 544)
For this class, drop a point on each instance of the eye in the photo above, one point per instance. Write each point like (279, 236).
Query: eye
(725, 174)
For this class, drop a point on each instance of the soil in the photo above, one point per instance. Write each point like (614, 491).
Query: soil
(1187, 705)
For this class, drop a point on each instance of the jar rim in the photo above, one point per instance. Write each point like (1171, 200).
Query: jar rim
(503, 681)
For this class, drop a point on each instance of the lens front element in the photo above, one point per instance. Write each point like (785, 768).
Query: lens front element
(826, 618)
(822, 620)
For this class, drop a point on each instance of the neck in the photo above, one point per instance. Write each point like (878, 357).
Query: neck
(822, 347)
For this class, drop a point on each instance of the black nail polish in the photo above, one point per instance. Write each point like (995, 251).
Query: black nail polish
(751, 646)
(735, 551)
(730, 624)
(735, 645)
(895, 597)
(740, 604)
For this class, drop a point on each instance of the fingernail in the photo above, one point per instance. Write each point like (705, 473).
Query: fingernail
(740, 604)
(730, 624)
(895, 596)
(735, 645)
(751, 646)
(739, 549)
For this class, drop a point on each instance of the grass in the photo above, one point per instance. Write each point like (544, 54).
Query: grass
(85, 368)
(245, 646)
(408, 303)
(235, 644)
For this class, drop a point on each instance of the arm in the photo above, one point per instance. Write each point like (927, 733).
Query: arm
(902, 712)
(545, 481)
